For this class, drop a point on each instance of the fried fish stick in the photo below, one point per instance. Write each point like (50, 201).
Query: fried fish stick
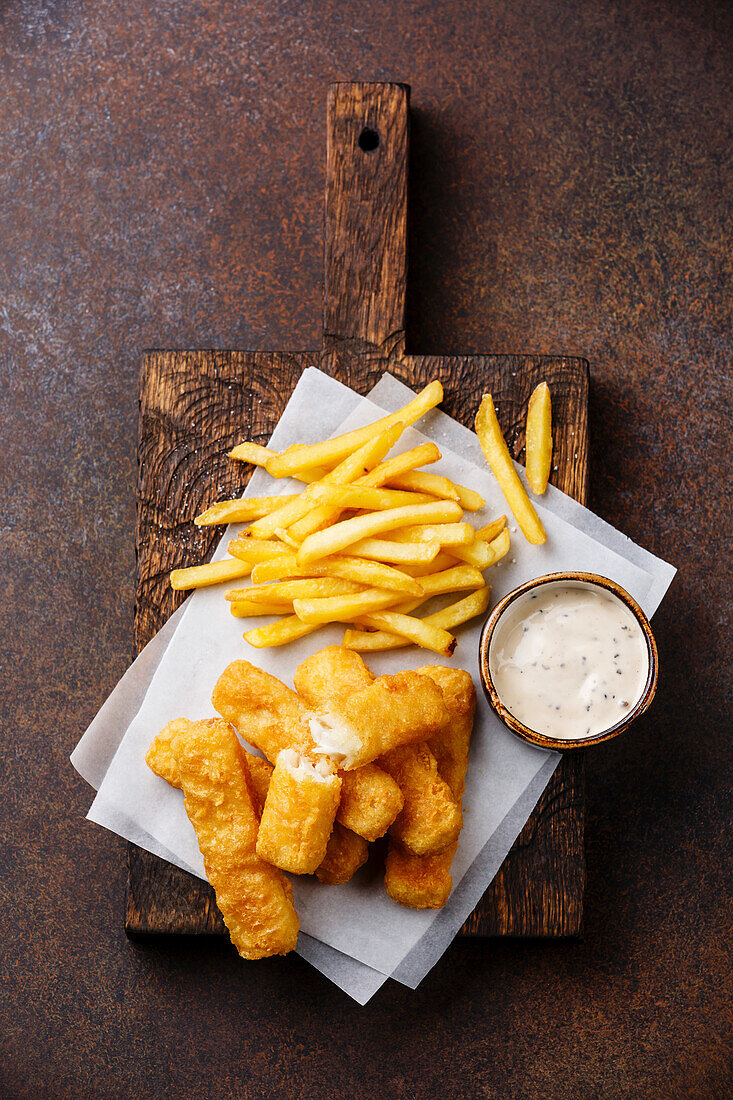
(271, 717)
(161, 757)
(430, 818)
(424, 882)
(299, 812)
(262, 709)
(345, 854)
(361, 723)
(370, 801)
(254, 898)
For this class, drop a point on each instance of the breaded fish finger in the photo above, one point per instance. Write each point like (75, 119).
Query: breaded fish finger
(345, 854)
(362, 718)
(262, 709)
(430, 819)
(424, 882)
(272, 717)
(370, 801)
(255, 899)
(299, 813)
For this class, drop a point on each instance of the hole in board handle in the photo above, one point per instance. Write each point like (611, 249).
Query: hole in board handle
(368, 140)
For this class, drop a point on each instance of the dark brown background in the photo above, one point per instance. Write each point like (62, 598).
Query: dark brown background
(161, 178)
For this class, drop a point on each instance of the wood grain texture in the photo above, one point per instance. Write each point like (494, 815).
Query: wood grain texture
(194, 406)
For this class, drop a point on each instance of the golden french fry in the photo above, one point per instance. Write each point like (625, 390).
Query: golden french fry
(447, 534)
(444, 560)
(283, 631)
(239, 511)
(539, 438)
(453, 615)
(299, 812)
(497, 455)
(248, 609)
(398, 553)
(287, 591)
(457, 578)
(359, 496)
(421, 481)
(347, 532)
(482, 554)
(500, 545)
(301, 456)
(371, 574)
(491, 530)
(344, 609)
(353, 466)
(401, 464)
(214, 572)
(419, 631)
(252, 453)
(255, 550)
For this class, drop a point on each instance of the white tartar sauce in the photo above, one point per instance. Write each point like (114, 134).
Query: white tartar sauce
(568, 659)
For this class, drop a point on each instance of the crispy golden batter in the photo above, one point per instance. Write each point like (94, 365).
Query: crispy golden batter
(259, 772)
(272, 717)
(262, 709)
(255, 899)
(424, 882)
(450, 746)
(328, 677)
(345, 854)
(430, 818)
(298, 815)
(382, 713)
(161, 757)
(370, 801)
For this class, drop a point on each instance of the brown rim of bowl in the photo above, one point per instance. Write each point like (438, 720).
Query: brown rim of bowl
(542, 739)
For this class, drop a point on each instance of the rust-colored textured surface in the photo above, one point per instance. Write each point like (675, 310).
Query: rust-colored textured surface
(162, 186)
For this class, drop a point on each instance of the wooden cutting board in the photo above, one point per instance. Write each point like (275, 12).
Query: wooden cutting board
(196, 405)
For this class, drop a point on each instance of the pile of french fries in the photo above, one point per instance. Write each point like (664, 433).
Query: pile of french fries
(370, 539)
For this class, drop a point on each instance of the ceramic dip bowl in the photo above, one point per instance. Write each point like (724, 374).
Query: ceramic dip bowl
(517, 607)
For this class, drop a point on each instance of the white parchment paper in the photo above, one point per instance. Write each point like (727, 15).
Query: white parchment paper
(353, 933)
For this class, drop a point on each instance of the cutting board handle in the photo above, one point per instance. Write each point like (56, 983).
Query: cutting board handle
(366, 213)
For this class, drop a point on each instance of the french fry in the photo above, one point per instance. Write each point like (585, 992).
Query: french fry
(422, 481)
(252, 453)
(287, 591)
(539, 438)
(453, 615)
(239, 511)
(255, 550)
(285, 630)
(447, 534)
(482, 554)
(401, 464)
(213, 572)
(300, 456)
(322, 543)
(497, 455)
(444, 560)
(491, 530)
(286, 537)
(354, 465)
(456, 579)
(419, 631)
(344, 609)
(362, 497)
(371, 574)
(248, 609)
(398, 553)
